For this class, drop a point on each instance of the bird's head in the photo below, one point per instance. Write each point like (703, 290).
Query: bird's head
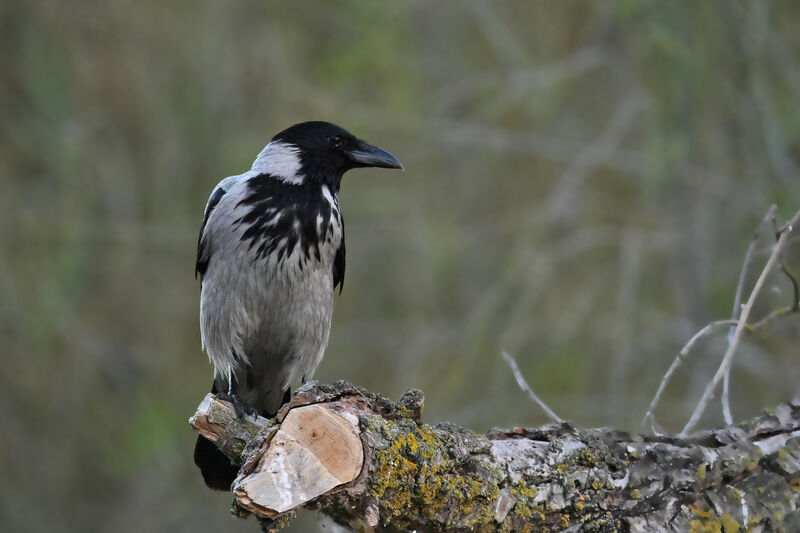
(321, 152)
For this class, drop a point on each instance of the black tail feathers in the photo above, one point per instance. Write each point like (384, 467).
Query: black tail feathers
(217, 470)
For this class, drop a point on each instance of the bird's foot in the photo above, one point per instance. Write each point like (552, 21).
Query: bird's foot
(241, 407)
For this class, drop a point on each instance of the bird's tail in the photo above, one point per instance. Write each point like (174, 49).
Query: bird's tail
(218, 471)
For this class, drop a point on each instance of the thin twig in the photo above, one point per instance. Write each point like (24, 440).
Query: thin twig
(740, 327)
(737, 306)
(737, 302)
(703, 332)
(789, 274)
(676, 363)
(777, 313)
(750, 328)
(525, 388)
(726, 405)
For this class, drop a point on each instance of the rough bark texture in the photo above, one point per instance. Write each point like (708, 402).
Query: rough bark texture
(370, 463)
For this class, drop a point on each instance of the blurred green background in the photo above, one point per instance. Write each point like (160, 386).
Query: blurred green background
(582, 181)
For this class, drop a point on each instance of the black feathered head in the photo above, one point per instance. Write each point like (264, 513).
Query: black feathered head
(323, 152)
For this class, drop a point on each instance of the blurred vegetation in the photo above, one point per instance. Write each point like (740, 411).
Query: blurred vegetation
(582, 181)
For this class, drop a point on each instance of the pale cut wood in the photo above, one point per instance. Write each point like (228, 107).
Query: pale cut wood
(315, 450)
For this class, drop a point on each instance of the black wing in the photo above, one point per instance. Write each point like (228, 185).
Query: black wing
(202, 254)
(338, 265)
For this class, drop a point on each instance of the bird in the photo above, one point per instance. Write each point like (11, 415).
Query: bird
(270, 255)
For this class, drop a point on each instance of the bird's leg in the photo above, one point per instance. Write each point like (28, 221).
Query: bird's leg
(241, 407)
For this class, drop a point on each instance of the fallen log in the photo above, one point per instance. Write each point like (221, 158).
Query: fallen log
(371, 464)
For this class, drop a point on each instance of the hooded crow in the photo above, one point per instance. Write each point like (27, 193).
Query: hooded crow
(270, 254)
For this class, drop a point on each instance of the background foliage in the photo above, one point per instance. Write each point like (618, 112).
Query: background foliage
(582, 181)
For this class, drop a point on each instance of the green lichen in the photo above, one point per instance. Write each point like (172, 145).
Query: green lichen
(482, 503)
(590, 457)
(707, 521)
(754, 521)
(601, 524)
(278, 523)
(702, 513)
(729, 525)
(699, 526)
(523, 510)
(523, 492)
(598, 453)
(415, 470)
(393, 473)
(524, 507)
(751, 463)
(700, 475)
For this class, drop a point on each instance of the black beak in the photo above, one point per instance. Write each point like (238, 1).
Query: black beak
(366, 155)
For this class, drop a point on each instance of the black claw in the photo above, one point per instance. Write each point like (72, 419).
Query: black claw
(241, 407)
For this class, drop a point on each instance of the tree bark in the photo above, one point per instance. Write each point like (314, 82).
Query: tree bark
(371, 464)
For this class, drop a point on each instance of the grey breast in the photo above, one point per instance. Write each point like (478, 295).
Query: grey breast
(264, 319)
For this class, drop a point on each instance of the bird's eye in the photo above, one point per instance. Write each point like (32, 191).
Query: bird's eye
(336, 141)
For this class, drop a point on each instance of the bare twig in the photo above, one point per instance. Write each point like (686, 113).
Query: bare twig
(793, 279)
(705, 331)
(524, 386)
(676, 363)
(740, 326)
(737, 307)
(737, 302)
(750, 328)
(778, 313)
(734, 322)
(788, 273)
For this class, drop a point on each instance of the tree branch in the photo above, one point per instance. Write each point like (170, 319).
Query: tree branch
(527, 389)
(724, 366)
(371, 464)
(737, 308)
(738, 323)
